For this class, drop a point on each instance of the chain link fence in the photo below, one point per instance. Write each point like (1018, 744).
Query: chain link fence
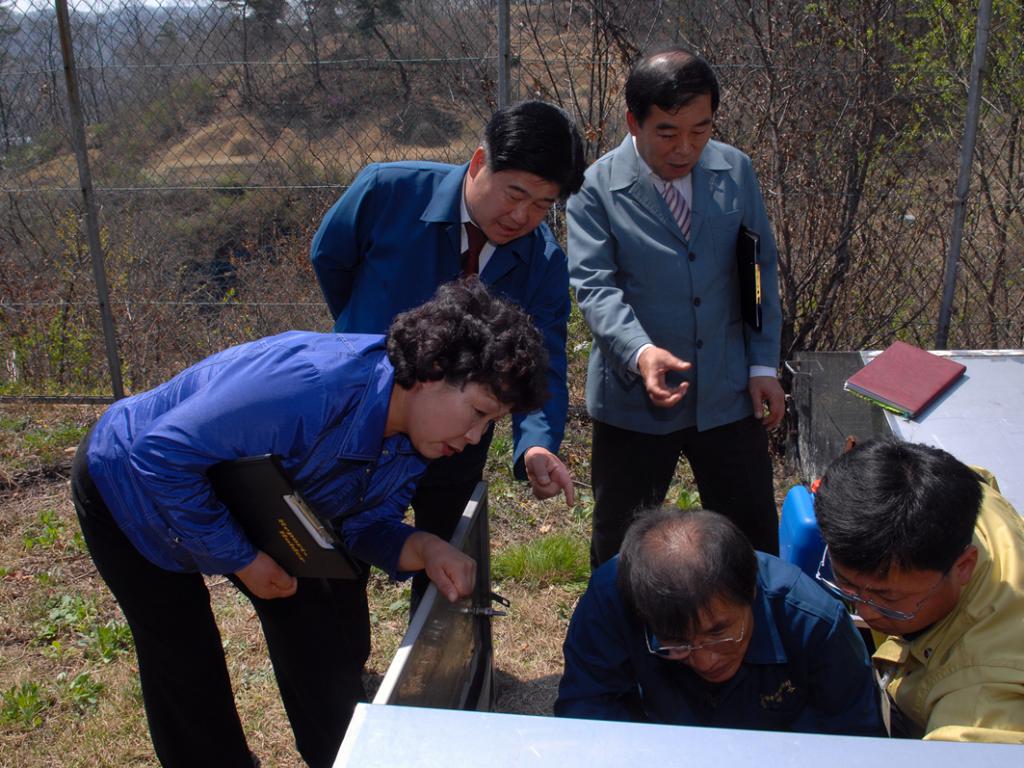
(220, 131)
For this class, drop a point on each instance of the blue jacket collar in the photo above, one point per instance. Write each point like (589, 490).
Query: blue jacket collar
(445, 206)
(504, 258)
(365, 435)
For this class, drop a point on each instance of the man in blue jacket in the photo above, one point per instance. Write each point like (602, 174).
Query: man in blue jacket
(689, 626)
(403, 228)
(354, 425)
(674, 369)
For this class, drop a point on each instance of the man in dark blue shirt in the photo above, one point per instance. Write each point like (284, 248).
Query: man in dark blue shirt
(689, 626)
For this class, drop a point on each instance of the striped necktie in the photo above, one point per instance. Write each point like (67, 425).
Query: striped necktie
(677, 204)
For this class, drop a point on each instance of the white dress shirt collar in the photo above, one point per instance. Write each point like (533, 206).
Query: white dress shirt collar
(684, 185)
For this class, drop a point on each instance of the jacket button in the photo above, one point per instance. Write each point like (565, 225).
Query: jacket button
(696, 301)
(700, 344)
(693, 256)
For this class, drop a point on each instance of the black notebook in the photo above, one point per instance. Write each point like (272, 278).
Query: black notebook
(748, 266)
(277, 520)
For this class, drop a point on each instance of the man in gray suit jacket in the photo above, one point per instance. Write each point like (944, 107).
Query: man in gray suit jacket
(674, 369)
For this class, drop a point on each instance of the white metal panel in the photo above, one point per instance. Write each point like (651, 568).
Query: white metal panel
(407, 737)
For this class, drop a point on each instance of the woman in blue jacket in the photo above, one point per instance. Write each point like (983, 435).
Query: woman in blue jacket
(355, 420)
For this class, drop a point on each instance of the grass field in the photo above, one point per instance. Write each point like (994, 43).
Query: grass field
(69, 694)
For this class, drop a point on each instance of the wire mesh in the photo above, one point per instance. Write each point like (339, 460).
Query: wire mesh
(220, 131)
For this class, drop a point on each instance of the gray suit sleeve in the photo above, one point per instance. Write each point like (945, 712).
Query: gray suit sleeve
(593, 268)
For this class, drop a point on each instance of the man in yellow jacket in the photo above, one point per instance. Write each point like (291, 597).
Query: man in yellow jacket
(933, 557)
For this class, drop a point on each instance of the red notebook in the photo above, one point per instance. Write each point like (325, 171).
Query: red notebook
(905, 379)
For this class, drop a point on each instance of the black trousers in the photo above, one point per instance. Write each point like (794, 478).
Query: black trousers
(632, 471)
(318, 639)
(441, 497)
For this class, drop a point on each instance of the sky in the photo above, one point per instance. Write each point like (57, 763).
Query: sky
(25, 6)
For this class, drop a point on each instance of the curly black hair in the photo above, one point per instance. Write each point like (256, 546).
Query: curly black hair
(465, 334)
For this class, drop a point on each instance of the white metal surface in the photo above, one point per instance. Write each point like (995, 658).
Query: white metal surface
(405, 737)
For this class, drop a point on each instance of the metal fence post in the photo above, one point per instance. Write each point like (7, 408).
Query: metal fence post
(964, 177)
(92, 227)
(504, 55)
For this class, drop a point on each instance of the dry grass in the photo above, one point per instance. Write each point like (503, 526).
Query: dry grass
(528, 646)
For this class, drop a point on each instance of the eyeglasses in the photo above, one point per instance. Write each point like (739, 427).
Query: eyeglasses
(826, 573)
(683, 651)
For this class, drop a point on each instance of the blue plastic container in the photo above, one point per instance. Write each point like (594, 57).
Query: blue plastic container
(799, 539)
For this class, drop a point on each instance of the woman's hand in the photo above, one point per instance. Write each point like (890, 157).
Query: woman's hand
(453, 573)
(266, 579)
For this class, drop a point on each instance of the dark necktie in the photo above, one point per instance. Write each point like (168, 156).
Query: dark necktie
(475, 239)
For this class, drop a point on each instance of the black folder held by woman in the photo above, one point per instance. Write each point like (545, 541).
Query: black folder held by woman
(277, 520)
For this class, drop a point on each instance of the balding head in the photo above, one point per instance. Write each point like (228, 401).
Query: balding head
(673, 564)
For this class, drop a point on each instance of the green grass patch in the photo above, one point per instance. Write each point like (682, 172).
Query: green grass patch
(108, 641)
(46, 533)
(10, 423)
(49, 442)
(583, 509)
(500, 453)
(560, 558)
(82, 692)
(27, 443)
(24, 705)
(66, 614)
(687, 498)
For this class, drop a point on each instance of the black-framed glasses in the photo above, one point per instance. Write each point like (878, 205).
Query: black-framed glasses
(683, 651)
(826, 575)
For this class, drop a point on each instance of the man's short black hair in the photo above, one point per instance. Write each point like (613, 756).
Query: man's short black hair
(464, 335)
(673, 564)
(538, 138)
(887, 503)
(669, 78)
